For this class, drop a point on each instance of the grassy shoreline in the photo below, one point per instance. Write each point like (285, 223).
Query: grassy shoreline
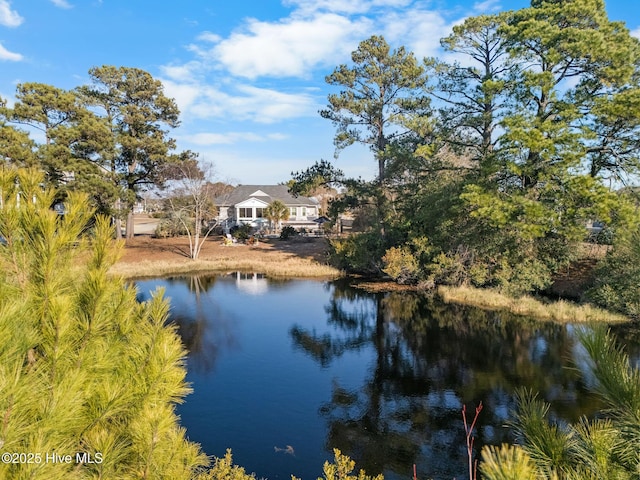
(294, 268)
(560, 311)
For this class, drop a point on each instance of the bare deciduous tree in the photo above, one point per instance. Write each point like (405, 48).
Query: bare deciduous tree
(191, 201)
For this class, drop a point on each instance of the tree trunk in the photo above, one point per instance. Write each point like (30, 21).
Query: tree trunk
(130, 231)
(117, 221)
(118, 224)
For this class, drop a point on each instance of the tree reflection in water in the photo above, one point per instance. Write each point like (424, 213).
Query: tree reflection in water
(205, 329)
(407, 411)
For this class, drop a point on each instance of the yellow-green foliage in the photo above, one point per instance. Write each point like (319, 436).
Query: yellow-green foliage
(224, 469)
(84, 367)
(342, 469)
(400, 264)
(508, 462)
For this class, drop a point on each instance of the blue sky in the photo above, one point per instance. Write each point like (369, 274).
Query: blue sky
(248, 75)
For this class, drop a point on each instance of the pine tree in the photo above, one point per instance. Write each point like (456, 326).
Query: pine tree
(84, 368)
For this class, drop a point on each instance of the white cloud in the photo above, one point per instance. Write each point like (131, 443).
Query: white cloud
(9, 56)
(229, 138)
(200, 100)
(636, 33)
(488, 6)
(185, 94)
(289, 48)
(342, 6)
(419, 31)
(209, 37)
(274, 105)
(8, 17)
(252, 103)
(182, 73)
(62, 4)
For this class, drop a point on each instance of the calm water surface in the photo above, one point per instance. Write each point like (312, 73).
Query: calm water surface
(317, 366)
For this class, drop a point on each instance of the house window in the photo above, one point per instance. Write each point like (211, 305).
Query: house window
(259, 212)
(304, 211)
(293, 211)
(246, 212)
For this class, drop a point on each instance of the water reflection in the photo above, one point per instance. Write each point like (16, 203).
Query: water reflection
(383, 377)
(251, 283)
(432, 358)
(205, 328)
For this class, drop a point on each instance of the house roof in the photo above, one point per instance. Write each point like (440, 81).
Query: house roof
(266, 193)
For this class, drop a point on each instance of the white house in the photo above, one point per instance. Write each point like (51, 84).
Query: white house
(246, 204)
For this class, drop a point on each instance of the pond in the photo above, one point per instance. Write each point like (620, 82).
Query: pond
(283, 372)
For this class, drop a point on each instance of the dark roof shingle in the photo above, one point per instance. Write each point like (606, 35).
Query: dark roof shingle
(272, 192)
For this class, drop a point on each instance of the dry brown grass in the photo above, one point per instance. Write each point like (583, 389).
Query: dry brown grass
(287, 268)
(150, 257)
(557, 311)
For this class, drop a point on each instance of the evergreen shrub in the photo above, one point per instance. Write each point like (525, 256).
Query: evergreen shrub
(359, 253)
(287, 232)
(617, 283)
(241, 232)
(85, 369)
